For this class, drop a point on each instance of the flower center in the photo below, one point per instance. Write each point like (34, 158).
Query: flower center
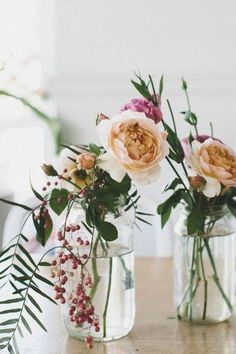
(139, 142)
(221, 157)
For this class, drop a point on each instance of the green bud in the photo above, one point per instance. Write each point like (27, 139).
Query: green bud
(49, 170)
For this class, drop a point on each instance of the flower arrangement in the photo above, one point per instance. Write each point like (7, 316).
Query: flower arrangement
(98, 179)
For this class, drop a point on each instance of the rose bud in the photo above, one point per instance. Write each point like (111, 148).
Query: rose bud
(101, 117)
(86, 161)
(196, 182)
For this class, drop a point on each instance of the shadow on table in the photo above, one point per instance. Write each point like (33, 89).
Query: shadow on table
(121, 346)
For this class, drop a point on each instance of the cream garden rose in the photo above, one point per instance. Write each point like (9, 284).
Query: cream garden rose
(215, 162)
(134, 145)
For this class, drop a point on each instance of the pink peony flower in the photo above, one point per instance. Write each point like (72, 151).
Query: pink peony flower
(134, 146)
(215, 162)
(145, 106)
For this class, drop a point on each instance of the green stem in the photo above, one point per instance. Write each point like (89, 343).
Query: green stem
(178, 175)
(189, 107)
(215, 276)
(205, 283)
(107, 299)
(96, 278)
(192, 272)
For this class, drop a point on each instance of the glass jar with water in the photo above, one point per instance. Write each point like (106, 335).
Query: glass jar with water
(111, 267)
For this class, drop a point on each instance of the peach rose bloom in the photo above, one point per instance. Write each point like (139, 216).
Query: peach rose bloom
(134, 146)
(214, 161)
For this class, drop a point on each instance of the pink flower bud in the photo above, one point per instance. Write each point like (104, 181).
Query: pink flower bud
(86, 161)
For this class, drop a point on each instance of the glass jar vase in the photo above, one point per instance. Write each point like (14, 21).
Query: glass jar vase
(107, 275)
(205, 268)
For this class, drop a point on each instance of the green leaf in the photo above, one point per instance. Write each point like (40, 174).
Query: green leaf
(6, 330)
(108, 231)
(4, 339)
(195, 222)
(9, 311)
(142, 213)
(44, 264)
(184, 84)
(37, 195)
(15, 345)
(44, 280)
(40, 292)
(26, 253)
(6, 258)
(142, 89)
(232, 206)
(16, 204)
(9, 322)
(6, 250)
(11, 301)
(35, 318)
(34, 303)
(25, 323)
(22, 261)
(94, 149)
(58, 200)
(143, 220)
(10, 349)
(176, 151)
(4, 270)
(161, 86)
(173, 184)
(87, 228)
(71, 149)
(191, 118)
(42, 233)
(20, 331)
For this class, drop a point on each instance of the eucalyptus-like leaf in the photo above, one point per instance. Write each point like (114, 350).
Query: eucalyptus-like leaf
(26, 253)
(37, 195)
(16, 204)
(34, 303)
(143, 220)
(40, 292)
(22, 261)
(71, 149)
(31, 313)
(9, 322)
(25, 323)
(44, 280)
(11, 301)
(9, 311)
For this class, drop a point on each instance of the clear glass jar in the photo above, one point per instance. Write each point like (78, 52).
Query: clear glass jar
(111, 268)
(205, 268)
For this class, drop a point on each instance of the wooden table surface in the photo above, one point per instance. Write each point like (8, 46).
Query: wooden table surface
(156, 329)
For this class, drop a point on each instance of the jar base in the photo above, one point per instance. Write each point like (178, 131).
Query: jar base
(97, 339)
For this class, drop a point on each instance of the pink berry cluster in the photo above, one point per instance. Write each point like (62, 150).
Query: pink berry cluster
(73, 257)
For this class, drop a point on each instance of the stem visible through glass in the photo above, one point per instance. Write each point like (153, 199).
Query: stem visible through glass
(107, 298)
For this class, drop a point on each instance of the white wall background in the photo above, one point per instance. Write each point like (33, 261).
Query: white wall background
(96, 45)
(89, 50)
